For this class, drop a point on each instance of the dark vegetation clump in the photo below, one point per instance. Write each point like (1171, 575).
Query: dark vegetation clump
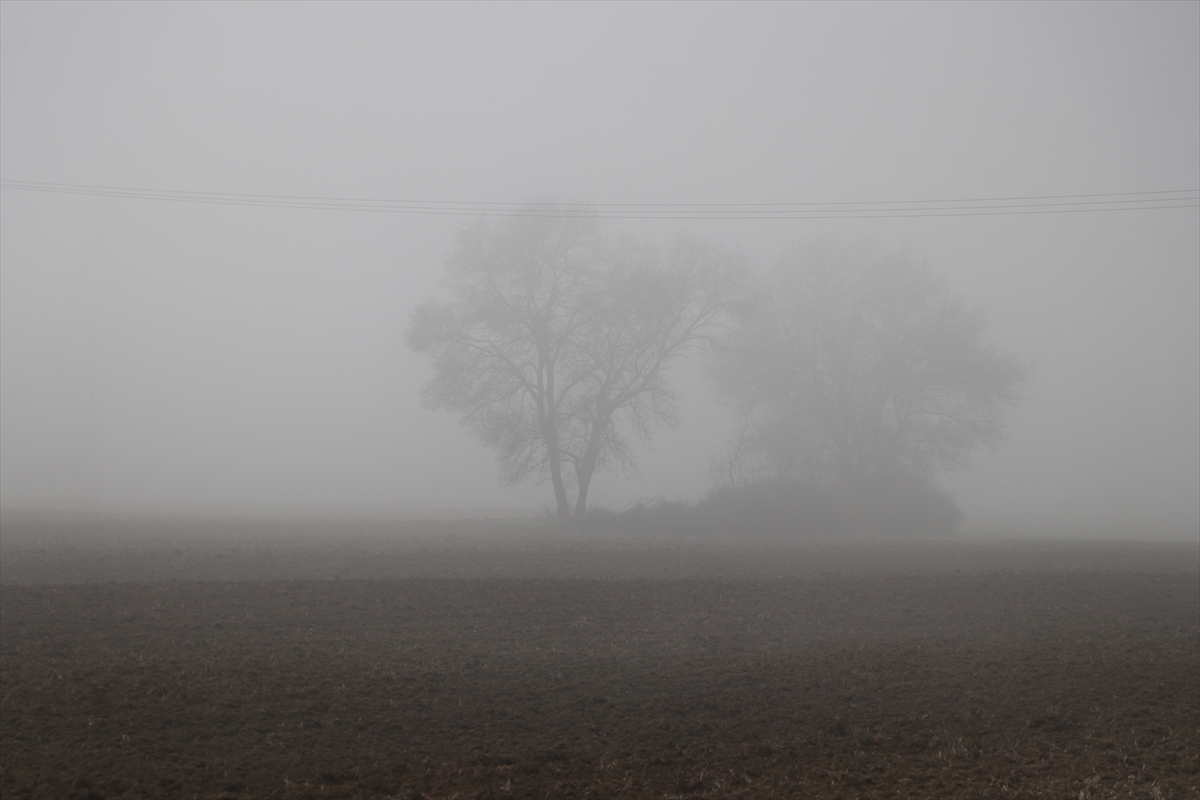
(905, 505)
(774, 508)
(901, 506)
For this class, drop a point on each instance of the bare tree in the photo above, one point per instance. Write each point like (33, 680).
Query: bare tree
(557, 338)
(739, 463)
(852, 365)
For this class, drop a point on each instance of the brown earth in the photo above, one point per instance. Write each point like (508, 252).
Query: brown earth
(659, 670)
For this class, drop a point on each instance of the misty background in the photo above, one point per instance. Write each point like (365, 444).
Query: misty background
(226, 358)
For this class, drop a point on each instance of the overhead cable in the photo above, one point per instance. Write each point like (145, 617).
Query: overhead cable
(975, 206)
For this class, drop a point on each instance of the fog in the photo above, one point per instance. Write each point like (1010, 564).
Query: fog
(238, 356)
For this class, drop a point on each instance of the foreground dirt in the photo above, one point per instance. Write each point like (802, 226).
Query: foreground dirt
(971, 683)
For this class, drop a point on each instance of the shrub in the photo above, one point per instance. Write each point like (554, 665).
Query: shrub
(899, 506)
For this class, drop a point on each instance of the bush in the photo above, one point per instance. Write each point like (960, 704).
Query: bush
(774, 508)
(899, 506)
(649, 515)
(902, 506)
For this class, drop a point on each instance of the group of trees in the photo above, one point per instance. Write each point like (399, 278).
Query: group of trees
(844, 367)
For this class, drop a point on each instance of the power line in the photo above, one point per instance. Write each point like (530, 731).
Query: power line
(975, 206)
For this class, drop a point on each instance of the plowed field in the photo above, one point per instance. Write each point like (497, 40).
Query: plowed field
(520, 669)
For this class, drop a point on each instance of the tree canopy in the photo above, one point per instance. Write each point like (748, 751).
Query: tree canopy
(557, 340)
(851, 365)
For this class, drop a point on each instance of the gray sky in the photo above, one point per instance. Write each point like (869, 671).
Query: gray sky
(176, 354)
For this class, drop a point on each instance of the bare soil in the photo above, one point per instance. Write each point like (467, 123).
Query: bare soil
(194, 662)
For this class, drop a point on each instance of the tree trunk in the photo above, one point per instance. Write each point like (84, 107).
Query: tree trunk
(549, 423)
(584, 479)
(550, 435)
(587, 468)
(560, 488)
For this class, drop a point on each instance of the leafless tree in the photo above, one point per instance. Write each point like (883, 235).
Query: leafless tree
(853, 365)
(558, 340)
